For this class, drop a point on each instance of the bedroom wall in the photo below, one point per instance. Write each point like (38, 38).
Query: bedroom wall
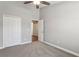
(26, 14)
(61, 23)
(1, 25)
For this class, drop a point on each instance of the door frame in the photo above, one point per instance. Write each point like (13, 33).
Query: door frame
(38, 29)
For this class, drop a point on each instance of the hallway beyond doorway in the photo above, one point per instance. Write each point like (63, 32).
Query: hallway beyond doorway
(34, 30)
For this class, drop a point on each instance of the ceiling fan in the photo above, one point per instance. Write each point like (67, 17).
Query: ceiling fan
(36, 2)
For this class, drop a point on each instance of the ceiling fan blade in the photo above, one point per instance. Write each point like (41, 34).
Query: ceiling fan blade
(27, 2)
(44, 2)
(37, 6)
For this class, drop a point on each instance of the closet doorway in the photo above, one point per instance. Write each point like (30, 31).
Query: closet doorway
(37, 30)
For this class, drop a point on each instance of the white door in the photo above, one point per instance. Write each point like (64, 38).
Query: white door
(11, 31)
(40, 30)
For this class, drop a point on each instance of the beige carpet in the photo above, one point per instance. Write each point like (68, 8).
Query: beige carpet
(35, 49)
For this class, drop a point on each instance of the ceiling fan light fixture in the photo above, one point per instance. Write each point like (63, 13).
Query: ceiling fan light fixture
(36, 2)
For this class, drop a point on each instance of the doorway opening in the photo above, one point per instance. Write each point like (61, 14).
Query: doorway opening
(34, 30)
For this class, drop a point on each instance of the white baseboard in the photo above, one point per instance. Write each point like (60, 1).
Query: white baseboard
(1, 47)
(17, 44)
(63, 49)
(27, 42)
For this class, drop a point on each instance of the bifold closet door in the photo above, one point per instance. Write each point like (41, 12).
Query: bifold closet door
(11, 30)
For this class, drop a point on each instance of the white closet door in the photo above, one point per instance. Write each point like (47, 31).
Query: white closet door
(11, 30)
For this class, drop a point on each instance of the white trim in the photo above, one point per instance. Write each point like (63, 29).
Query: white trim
(27, 42)
(41, 34)
(41, 41)
(1, 47)
(66, 50)
(17, 44)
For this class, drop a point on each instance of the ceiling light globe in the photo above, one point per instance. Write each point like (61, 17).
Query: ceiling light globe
(36, 2)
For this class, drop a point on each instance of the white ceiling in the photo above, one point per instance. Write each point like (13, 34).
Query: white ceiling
(51, 3)
(42, 5)
(31, 5)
